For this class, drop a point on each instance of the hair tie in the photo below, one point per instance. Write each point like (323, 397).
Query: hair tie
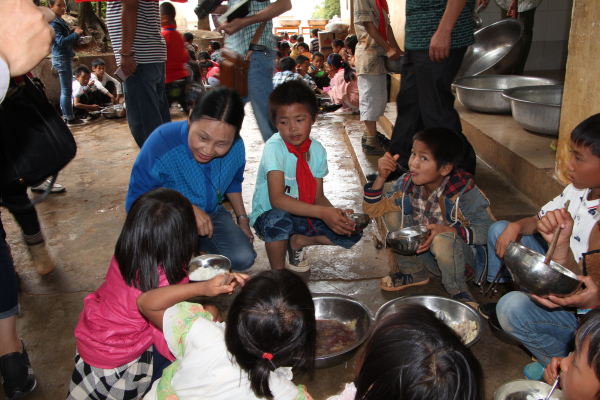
(268, 356)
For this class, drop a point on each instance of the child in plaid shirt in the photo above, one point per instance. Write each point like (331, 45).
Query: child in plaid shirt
(444, 199)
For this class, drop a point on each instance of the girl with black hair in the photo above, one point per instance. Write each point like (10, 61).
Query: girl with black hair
(344, 88)
(117, 348)
(270, 327)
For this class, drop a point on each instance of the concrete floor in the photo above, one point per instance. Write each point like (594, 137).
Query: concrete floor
(82, 226)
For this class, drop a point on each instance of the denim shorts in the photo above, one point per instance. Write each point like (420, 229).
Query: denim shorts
(275, 225)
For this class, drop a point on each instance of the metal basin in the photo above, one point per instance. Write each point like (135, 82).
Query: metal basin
(520, 389)
(528, 270)
(343, 309)
(484, 93)
(454, 311)
(406, 241)
(537, 108)
(361, 220)
(220, 264)
(394, 67)
(116, 111)
(317, 22)
(496, 50)
(289, 22)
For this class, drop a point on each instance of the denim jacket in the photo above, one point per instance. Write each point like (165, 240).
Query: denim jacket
(64, 40)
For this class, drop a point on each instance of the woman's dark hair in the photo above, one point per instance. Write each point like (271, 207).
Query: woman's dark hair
(273, 314)
(338, 43)
(303, 45)
(203, 55)
(337, 61)
(292, 92)
(445, 145)
(587, 134)
(160, 230)
(215, 45)
(589, 328)
(412, 355)
(188, 36)
(220, 104)
(287, 64)
(351, 42)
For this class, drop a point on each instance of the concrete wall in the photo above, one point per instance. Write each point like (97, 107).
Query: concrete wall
(581, 97)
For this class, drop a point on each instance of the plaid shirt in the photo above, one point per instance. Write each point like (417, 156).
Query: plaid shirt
(285, 76)
(240, 41)
(427, 211)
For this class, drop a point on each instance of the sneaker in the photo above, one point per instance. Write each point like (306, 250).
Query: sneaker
(330, 107)
(487, 309)
(399, 281)
(372, 147)
(57, 188)
(343, 111)
(466, 298)
(75, 122)
(534, 371)
(296, 261)
(363, 139)
(17, 375)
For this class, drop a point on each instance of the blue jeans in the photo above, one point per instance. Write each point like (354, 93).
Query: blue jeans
(64, 68)
(260, 86)
(146, 100)
(546, 333)
(534, 242)
(228, 240)
(275, 225)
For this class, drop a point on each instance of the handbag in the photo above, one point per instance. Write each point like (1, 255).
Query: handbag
(35, 141)
(235, 67)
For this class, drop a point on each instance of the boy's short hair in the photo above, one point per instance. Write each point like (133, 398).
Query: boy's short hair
(287, 64)
(96, 62)
(300, 39)
(303, 45)
(589, 328)
(292, 92)
(445, 145)
(301, 59)
(283, 45)
(318, 54)
(215, 45)
(294, 37)
(203, 55)
(188, 36)
(168, 9)
(80, 69)
(338, 43)
(315, 32)
(587, 134)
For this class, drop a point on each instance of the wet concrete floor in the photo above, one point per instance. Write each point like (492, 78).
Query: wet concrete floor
(82, 226)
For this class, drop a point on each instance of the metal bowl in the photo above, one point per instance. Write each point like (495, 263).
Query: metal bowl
(343, 309)
(453, 311)
(219, 263)
(484, 93)
(394, 67)
(84, 39)
(289, 22)
(536, 108)
(361, 220)
(317, 22)
(496, 51)
(520, 389)
(406, 241)
(116, 111)
(528, 270)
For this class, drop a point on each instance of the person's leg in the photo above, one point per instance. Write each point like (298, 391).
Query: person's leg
(527, 17)
(546, 333)
(163, 104)
(275, 227)
(112, 89)
(436, 101)
(65, 75)
(228, 240)
(260, 86)
(143, 101)
(372, 101)
(454, 259)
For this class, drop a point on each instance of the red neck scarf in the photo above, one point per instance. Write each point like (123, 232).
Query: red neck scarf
(307, 184)
(382, 5)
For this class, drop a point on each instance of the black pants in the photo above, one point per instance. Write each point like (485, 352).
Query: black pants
(176, 91)
(425, 100)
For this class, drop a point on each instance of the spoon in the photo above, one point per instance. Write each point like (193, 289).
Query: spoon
(553, 387)
(477, 21)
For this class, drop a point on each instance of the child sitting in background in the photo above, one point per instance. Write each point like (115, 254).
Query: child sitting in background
(302, 66)
(106, 84)
(344, 89)
(412, 355)
(284, 47)
(277, 60)
(287, 67)
(216, 54)
(85, 94)
(289, 208)
(270, 327)
(117, 348)
(188, 38)
(445, 199)
(351, 41)
(317, 72)
(338, 46)
(303, 50)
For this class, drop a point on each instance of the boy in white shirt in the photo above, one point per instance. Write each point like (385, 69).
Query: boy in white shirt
(83, 92)
(106, 84)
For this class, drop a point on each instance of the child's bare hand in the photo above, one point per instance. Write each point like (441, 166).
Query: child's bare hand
(547, 225)
(348, 211)
(433, 229)
(78, 30)
(509, 235)
(94, 107)
(387, 164)
(212, 287)
(586, 297)
(552, 370)
(335, 219)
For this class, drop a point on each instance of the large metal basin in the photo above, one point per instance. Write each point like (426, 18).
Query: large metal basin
(537, 108)
(289, 22)
(317, 22)
(496, 51)
(343, 309)
(520, 389)
(484, 93)
(453, 311)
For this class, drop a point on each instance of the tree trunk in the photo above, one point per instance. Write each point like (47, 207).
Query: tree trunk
(204, 24)
(99, 9)
(91, 23)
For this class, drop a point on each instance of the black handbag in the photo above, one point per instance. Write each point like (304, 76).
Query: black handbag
(35, 142)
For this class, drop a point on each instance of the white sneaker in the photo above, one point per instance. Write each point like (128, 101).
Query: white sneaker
(57, 188)
(296, 261)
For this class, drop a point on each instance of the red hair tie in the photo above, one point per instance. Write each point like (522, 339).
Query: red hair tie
(268, 356)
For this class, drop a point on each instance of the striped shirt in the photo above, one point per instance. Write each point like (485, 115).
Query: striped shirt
(148, 44)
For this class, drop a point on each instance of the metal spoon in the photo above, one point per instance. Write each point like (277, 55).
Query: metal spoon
(553, 387)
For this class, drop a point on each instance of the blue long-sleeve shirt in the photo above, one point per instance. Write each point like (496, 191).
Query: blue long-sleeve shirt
(166, 160)
(64, 40)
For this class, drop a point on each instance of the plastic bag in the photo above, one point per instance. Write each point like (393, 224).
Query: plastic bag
(336, 25)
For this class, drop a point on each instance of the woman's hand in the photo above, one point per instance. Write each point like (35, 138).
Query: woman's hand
(205, 226)
(434, 229)
(585, 297)
(335, 219)
(510, 234)
(552, 370)
(548, 224)
(244, 224)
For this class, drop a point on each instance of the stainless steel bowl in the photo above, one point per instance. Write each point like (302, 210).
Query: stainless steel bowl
(496, 50)
(343, 309)
(536, 108)
(219, 263)
(394, 67)
(528, 270)
(289, 22)
(447, 309)
(406, 241)
(317, 22)
(84, 39)
(484, 93)
(520, 389)
(116, 111)
(361, 220)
